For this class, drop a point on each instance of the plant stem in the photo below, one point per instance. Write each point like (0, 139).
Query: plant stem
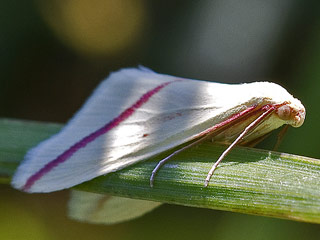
(249, 180)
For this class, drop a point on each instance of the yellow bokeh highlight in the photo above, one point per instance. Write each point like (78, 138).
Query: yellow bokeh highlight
(18, 222)
(95, 27)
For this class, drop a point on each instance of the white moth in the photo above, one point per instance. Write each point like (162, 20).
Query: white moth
(136, 113)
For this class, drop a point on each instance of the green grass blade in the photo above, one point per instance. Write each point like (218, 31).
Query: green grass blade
(249, 180)
(16, 138)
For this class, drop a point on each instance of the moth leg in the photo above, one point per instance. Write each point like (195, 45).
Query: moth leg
(249, 128)
(163, 161)
(256, 141)
(280, 137)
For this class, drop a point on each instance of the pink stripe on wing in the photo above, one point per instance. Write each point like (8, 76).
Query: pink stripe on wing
(91, 137)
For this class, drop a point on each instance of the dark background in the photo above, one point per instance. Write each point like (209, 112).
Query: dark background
(53, 53)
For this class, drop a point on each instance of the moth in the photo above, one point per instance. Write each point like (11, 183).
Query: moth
(136, 113)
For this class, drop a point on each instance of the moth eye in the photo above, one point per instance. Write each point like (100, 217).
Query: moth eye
(284, 112)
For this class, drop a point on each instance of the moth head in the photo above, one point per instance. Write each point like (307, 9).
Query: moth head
(292, 112)
(289, 109)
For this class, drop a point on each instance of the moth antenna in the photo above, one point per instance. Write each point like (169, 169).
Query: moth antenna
(163, 161)
(249, 128)
(280, 137)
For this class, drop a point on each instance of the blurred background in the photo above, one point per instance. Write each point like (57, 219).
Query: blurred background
(53, 53)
